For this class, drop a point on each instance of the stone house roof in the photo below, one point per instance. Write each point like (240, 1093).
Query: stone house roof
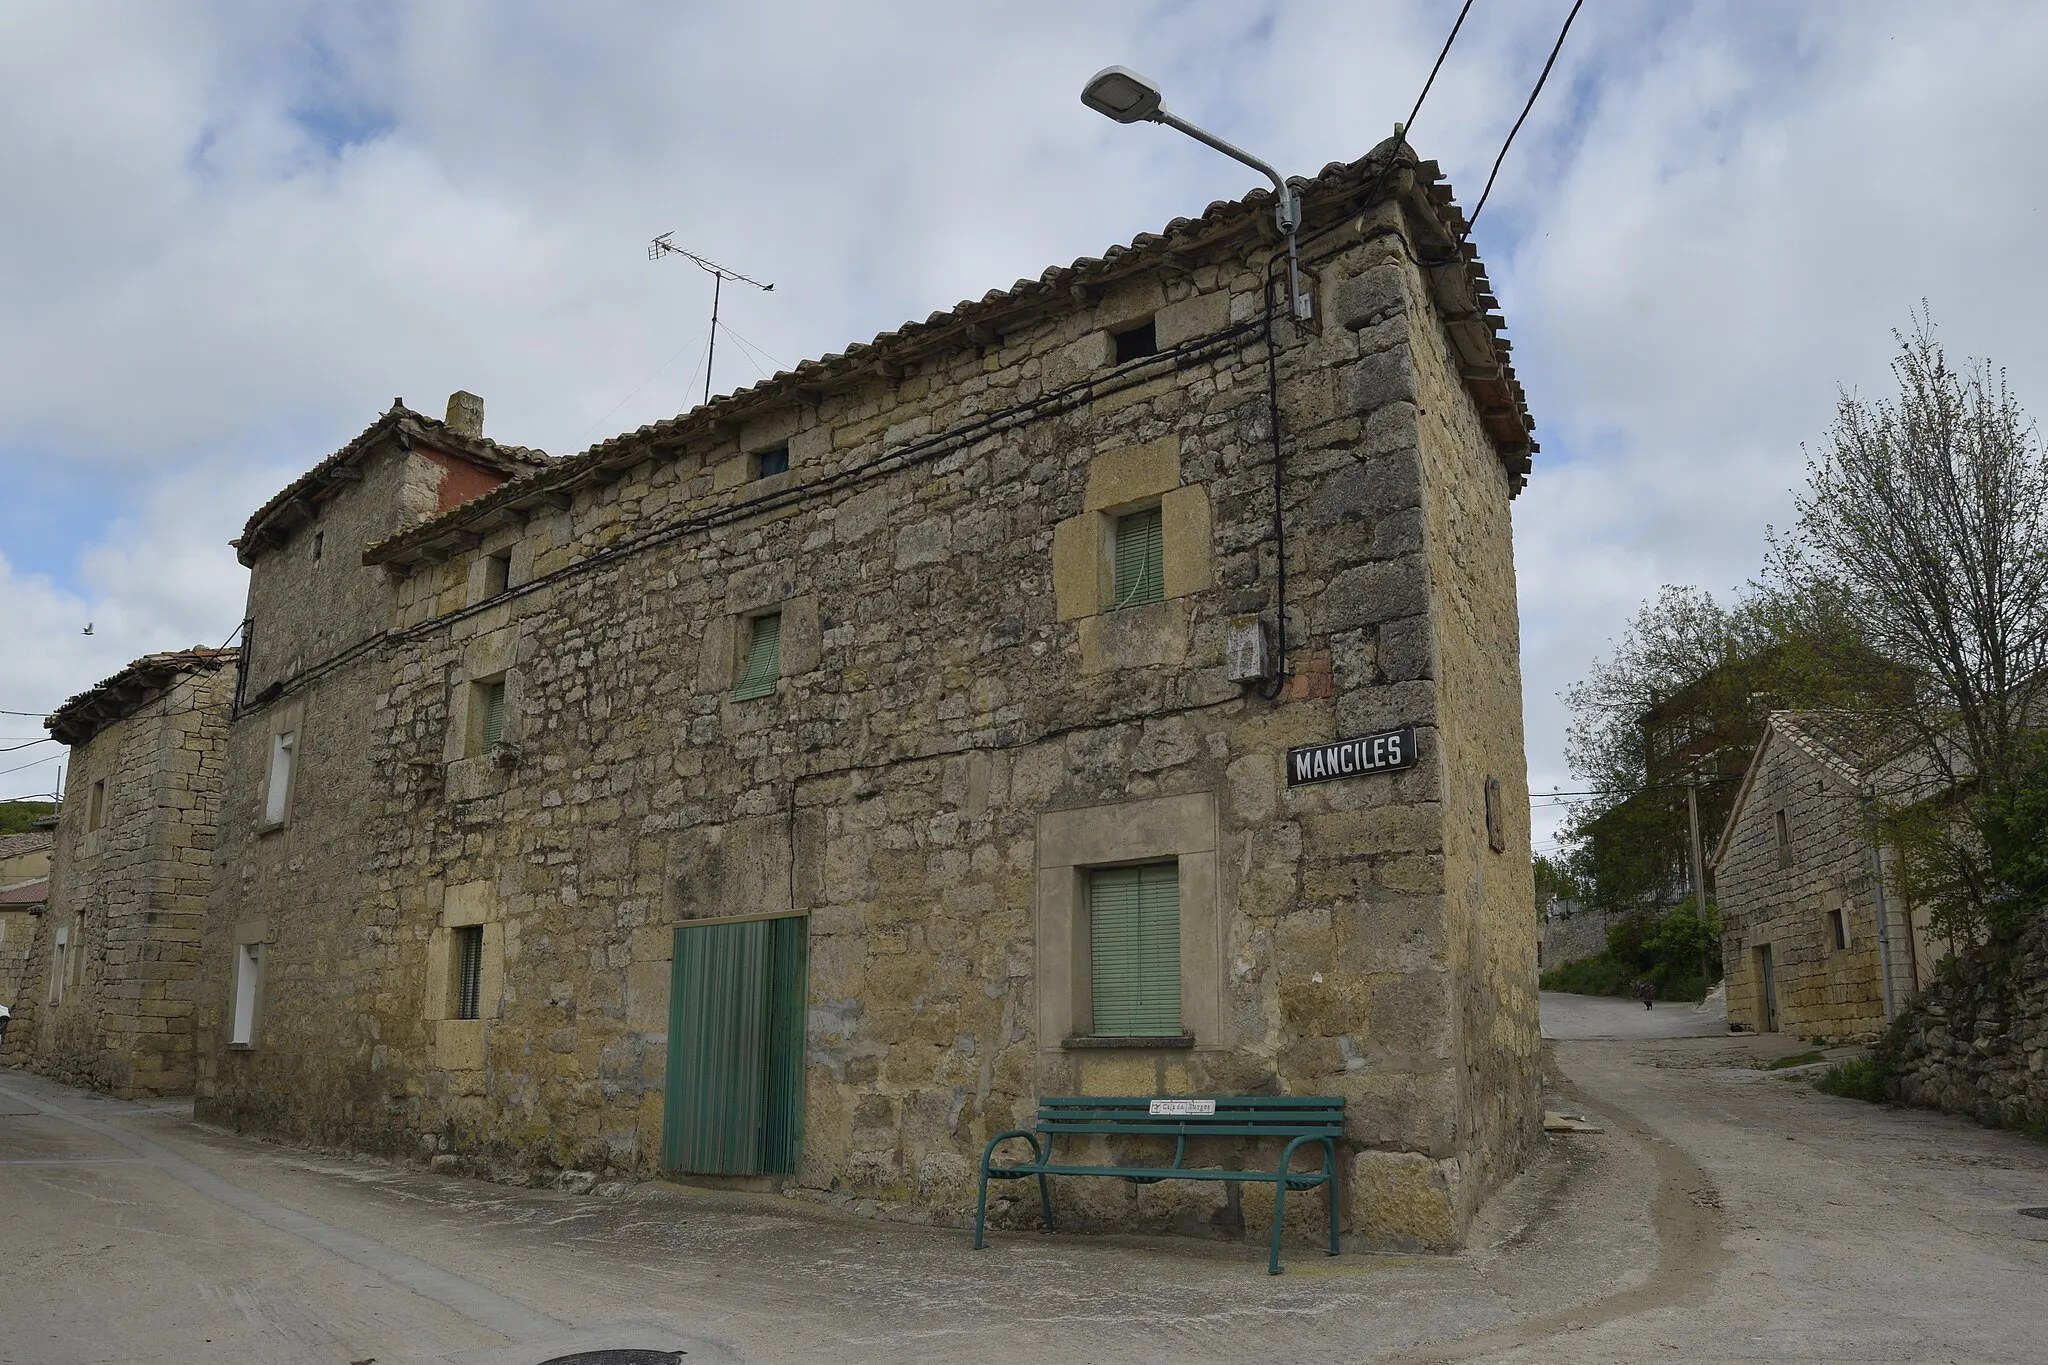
(26, 894)
(32, 841)
(126, 692)
(1331, 202)
(301, 499)
(1851, 746)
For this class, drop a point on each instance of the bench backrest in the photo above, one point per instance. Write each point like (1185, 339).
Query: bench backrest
(1234, 1116)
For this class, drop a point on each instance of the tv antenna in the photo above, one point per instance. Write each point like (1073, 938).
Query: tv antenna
(661, 246)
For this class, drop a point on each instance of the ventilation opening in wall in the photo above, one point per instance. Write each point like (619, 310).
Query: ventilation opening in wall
(319, 544)
(769, 462)
(497, 574)
(469, 971)
(1134, 343)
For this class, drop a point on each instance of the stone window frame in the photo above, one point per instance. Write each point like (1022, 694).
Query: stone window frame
(1782, 822)
(1073, 842)
(507, 554)
(726, 637)
(1122, 481)
(487, 660)
(96, 806)
(249, 935)
(459, 1043)
(287, 723)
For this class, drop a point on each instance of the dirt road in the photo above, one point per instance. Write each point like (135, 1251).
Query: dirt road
(1727, 1214)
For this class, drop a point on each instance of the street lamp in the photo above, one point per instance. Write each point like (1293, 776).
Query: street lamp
(1120, 93)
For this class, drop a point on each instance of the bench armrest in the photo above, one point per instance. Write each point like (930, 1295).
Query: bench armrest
(988, 1152)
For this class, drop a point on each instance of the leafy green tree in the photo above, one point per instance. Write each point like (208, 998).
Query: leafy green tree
(17, 817)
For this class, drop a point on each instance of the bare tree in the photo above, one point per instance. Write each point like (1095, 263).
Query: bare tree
(1926, 523)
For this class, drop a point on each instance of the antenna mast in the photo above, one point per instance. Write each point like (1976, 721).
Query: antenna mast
(661, 246)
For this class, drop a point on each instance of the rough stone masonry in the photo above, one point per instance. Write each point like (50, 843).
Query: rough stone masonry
(537, 729)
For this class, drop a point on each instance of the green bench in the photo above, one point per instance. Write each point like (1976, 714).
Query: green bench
(1301, 1119)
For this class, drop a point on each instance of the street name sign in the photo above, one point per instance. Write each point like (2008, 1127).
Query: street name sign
(1382, 753)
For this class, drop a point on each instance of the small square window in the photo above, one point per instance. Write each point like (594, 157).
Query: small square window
(769, 462)
(1134, 343)
(763, 660)
(1139, 569)
(1838, 925)
(1134, 951)
(467, 958)
(497, 574)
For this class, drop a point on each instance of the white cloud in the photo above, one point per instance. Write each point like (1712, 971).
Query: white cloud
(234, 234)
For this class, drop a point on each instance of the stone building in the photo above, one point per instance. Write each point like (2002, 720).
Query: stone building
(24, 888)
(797, 789)
(1801, 945)
(107, 997)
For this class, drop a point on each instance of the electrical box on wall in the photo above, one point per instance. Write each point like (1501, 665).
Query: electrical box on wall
(1249, 658)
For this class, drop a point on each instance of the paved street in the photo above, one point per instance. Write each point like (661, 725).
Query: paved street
(1725, 1214)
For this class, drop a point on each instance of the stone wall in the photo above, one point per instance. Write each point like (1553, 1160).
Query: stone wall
(1784, 899)
(107, 999)
(961, 729)
(1575, 935)
(1976, 1041)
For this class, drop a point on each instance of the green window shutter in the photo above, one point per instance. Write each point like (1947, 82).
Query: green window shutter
(494, 714)
(1140, 560)
(1134, 944)
(764, 658)
(469, 972)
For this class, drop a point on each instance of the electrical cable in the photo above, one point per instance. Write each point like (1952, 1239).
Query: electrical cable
(53, 758)
(29, 745)
(778, 364)
(1556, 48)
(1410, 123)
(637, 387)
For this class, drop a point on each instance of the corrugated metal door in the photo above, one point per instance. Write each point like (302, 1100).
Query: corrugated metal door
(735, 1047)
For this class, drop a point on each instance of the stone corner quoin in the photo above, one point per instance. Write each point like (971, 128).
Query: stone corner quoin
(664, 809)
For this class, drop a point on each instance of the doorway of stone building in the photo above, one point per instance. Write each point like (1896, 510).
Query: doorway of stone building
(1766, 991)
(737, 992)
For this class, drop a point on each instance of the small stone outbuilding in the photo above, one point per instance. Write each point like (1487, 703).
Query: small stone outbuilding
(795, 790)
(1804, 945)
(107, 993)
(24, 888)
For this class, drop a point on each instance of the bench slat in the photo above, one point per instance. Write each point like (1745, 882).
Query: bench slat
(1314, 1130)
(1295, 1178)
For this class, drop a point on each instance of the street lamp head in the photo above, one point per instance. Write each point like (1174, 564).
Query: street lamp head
(1122, 94)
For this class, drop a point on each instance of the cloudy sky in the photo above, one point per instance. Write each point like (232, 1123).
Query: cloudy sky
(232, 233)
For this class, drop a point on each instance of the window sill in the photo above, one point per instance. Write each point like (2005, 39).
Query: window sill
(269, 827)
(241, 1047)
(1169, 1040)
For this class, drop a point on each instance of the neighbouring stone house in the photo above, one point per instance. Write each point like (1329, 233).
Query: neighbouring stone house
(107, 996)
(797, 789)
(24, 887)
(1804, 947)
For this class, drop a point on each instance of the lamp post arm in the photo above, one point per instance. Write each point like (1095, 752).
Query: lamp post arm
(1289, 219)
(1286, 209)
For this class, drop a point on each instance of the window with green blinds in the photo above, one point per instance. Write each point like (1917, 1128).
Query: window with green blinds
(1134, 943)
(764, 657)
(469, 972)
(494, 713)
(1140, 564)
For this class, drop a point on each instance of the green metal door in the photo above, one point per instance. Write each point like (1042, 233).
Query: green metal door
(735, 1047)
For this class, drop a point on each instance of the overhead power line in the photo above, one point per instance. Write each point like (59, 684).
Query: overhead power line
(1556, 48)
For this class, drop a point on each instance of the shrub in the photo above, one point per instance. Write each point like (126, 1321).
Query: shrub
(1859, 1079)
(1668, 950)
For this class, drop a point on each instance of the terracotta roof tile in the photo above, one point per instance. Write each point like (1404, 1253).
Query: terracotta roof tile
(135, 686)
(1333, 196)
